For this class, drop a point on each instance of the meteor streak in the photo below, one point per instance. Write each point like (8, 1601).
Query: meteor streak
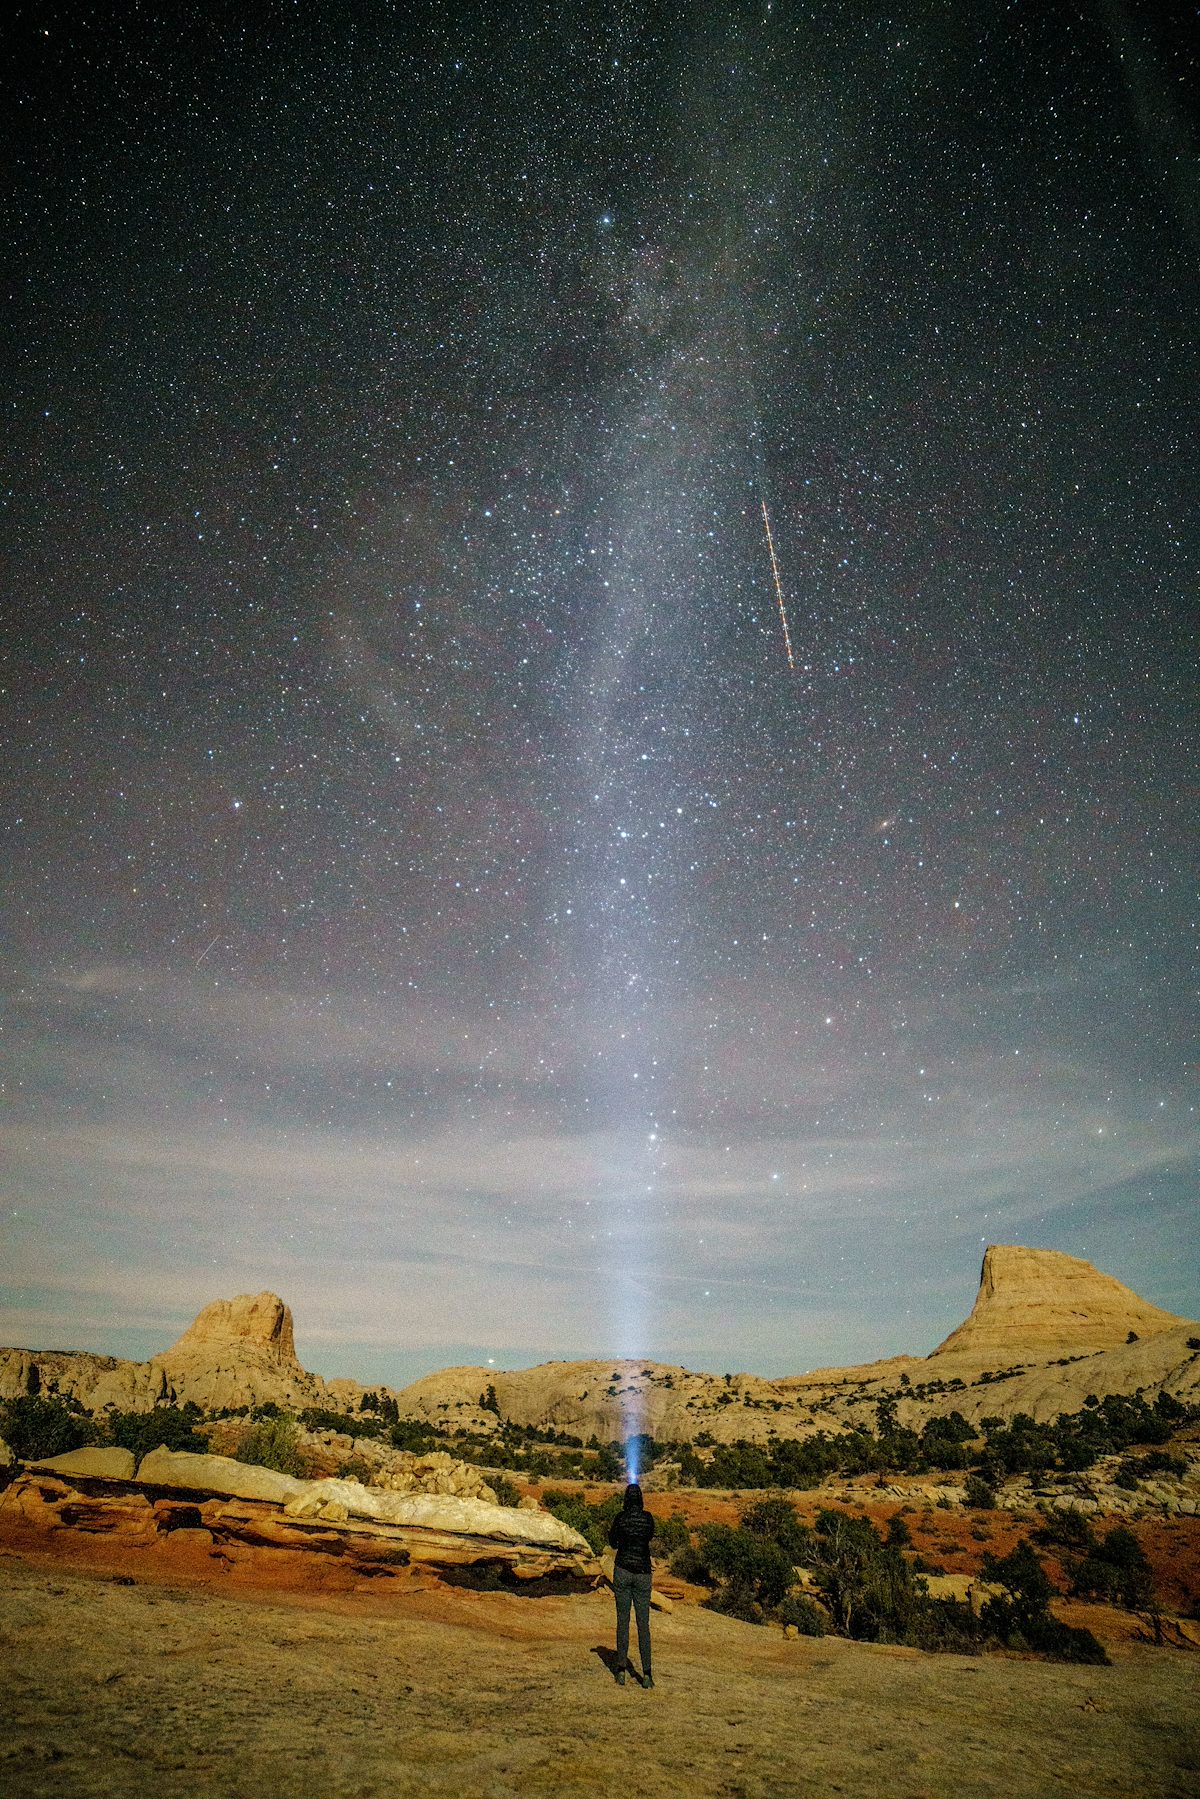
(787, 636)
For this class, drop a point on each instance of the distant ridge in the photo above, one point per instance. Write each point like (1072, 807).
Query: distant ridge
(1046, 1330)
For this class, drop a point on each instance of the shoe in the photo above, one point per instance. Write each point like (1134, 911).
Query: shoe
(647, 1680)
(620, 1677)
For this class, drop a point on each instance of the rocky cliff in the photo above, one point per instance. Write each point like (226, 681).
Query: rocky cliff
(236, 1352)
(240, 1352)
(1036, 1304)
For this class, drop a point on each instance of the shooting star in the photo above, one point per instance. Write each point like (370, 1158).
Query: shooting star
(787, 636)
(204, 952)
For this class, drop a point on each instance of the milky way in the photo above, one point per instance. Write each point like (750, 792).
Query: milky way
(432, 894)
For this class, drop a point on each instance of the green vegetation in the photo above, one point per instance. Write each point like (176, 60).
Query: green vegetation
(867, 1586)
(35, 1428)
(1022, 1619)
(169, 1426)
(979, 1493)
(1135, 1469)
(591, 1521)
(1113, 1567)
(273, 1443)
(315, 1417)
(1074, 1441)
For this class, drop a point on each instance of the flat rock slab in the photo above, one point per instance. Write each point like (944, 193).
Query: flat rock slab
(217, 1474)
(100, 1464)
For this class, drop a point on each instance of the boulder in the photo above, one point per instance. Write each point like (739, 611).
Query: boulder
(100, 1464)
(6, 1455)
(217, 1474)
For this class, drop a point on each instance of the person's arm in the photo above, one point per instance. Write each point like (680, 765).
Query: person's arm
(614, 1533)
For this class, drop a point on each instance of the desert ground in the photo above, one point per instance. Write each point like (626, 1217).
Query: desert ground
(175, 1679)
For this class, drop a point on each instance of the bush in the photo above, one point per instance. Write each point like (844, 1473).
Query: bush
(168, 1426)
(36, 1428)
(319, 1417)
(1115, 1569)
(671, 1534)
(507, 1492)
(414, 1435)
(868, 1587)
(1137, 1468)
(755, 1570)
(979, 1494)
(804, 1613)
(272, 1443)
(591, 1521)
(775, 1520)
(1022, 1618)
(1066, 1527)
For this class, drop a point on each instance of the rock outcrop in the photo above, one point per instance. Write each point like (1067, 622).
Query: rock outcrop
(1036, 1304)
(98, 1382)
(97, 1464)
(230, 1502)
(240, 1352)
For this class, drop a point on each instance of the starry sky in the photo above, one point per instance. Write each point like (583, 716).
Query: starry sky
(430, 892)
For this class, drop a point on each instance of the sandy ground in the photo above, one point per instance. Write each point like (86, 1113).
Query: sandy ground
(112, 1684)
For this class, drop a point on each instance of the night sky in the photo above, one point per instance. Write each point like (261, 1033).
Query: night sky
(429, 891)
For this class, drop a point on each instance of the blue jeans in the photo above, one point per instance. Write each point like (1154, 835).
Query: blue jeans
(632, 1589)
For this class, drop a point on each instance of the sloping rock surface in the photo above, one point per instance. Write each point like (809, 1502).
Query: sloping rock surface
(1034, 1304)
(217, 1474)
(100, 1464)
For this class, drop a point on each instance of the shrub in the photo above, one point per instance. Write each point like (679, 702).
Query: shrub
(319, 1417)
(1115, 1569)
(414, 1435)
(775, 1520)
(869, 1588)
(507, 1492)
(272, 1443)
(591, 1521)
(1066, 1527)
(979, 1494)
(671, 1534)
(36, 1428)
(169, 1426)
(741, 1564)
(1022, 1617)
(804, 1613)
(1137, 1468)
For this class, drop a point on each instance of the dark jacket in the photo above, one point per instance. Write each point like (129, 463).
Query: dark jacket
(632, 1529)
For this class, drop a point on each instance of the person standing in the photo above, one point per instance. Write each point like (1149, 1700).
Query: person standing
(632, 1529)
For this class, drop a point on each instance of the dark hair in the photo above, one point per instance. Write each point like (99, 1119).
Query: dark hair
(633, 1498)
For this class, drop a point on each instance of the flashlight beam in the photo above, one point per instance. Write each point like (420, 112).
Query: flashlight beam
(787, 636)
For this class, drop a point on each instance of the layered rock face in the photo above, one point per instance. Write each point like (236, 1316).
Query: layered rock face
(96, 1381)
(240, 1352)
(1036, 1304)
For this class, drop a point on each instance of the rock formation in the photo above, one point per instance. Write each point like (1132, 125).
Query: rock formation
(231, 1501)
(1046, 1330)
(240, 1352)
(1035, 1304)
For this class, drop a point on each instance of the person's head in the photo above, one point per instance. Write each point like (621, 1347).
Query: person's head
(633, 1497)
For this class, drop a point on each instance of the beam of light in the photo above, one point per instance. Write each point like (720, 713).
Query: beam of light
(787, 636)
(204, 952)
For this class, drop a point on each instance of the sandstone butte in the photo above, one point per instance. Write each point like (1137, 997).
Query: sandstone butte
(1046, 1330)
